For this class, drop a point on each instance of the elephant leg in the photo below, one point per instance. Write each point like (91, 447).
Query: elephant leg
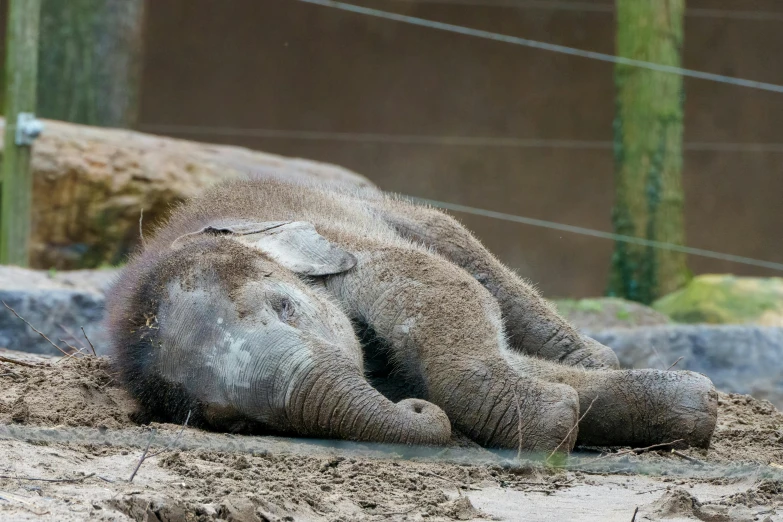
(634, 408)
(533, 325)
(445, 334)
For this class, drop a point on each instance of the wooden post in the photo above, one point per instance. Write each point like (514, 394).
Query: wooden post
(21, 68)
(648, 130)
(89, 61)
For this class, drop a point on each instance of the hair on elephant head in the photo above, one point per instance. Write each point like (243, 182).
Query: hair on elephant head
(225, 326)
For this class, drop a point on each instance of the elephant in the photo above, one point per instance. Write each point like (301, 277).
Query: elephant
(245, 312)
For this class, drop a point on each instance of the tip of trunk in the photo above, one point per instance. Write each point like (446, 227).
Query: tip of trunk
(429, 425)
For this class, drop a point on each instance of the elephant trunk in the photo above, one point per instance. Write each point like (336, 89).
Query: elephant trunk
(334, 400)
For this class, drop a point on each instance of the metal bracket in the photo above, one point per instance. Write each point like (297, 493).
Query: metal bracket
(27, 128)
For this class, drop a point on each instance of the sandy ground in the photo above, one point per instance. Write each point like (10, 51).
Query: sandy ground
(68, 447)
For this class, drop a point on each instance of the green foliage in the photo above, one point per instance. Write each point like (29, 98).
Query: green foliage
(557, 460)
(110, 266)
(607, 312)
(723, 299)
(566, 306)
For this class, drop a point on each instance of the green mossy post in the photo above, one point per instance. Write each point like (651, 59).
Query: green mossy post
(90, 61)
(648, 135)
(20, 80)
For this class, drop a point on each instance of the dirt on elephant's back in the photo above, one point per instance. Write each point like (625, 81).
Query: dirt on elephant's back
(204, 483)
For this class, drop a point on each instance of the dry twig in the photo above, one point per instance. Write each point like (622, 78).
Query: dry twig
(73, 337)
(390, 513)
(635, 511)
(146, 454)
(637, 451)
(74, 349)
(89, 342)
(674, 363)
(686, 457)
(143, 456)
(80, 479)
(33, 327)
(20, 363)
(657, 353)
(519, 423)
(572, 428)
(141, 220)
(176, 439)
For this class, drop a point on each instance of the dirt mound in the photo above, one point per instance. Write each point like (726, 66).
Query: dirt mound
(79, 478)
(748, 430)
(72, 392)
(81, 391)
(680, 503)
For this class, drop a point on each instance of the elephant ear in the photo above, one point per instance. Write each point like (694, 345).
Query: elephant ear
(296, 245)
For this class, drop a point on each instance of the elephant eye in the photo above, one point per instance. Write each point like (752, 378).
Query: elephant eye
(285, 310)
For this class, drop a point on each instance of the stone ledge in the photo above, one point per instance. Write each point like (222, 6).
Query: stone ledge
(744, 359)
(57, 304)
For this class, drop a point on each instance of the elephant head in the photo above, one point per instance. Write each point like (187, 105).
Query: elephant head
(231, 321)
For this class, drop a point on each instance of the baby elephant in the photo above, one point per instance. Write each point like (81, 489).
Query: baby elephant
(243, 310)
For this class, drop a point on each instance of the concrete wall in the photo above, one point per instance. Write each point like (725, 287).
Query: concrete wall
(286, 65)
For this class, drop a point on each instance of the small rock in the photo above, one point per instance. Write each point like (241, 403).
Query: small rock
(238, 509)
(462, 509)
(675, 502)
(240, 463)
(742, 359)
(20, 412)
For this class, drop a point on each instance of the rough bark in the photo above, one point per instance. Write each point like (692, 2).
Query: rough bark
(15, 216)
(90, 61)
(648, 151)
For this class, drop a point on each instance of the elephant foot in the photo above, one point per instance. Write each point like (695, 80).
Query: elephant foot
(643, 407)
(592, 355)
(541, 417)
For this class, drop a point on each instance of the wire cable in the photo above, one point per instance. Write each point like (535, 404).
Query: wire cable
(516, 142)
(458, 29)
(598, 233)
(419, 139)
(591, 7)
(500, 215)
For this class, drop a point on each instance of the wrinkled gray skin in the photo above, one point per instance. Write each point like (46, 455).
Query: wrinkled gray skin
(241, 309)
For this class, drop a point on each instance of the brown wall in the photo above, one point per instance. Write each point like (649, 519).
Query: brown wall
(286, 65)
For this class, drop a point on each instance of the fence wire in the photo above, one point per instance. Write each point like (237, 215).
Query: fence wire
(516, 142)
(448, 141)
(598, 233)
(603, 57)
(508, 142)
(593, 7)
